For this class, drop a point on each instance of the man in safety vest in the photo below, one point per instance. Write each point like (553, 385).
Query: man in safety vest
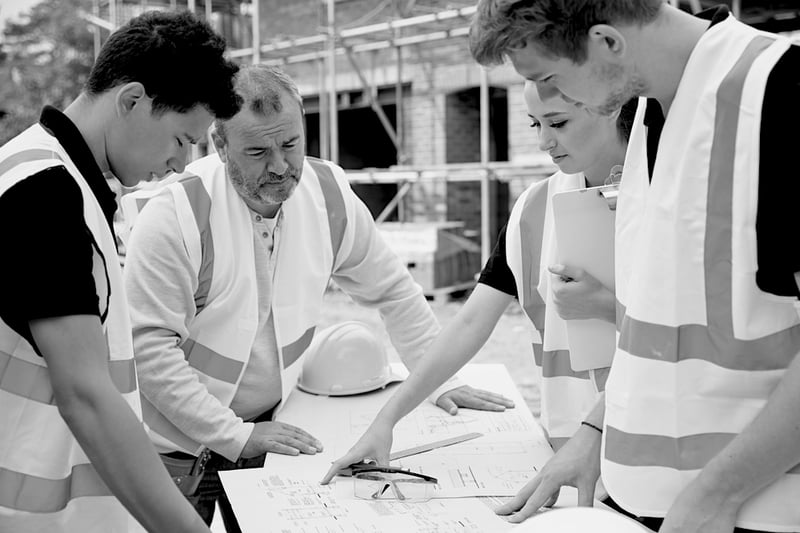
(226, 271)
(74, 456)
(701, 420)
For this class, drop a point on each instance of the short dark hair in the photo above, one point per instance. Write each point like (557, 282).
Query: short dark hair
(260, 88)
(559, 28)
(176, 56)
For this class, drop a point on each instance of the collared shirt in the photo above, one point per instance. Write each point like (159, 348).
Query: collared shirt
(47, 251)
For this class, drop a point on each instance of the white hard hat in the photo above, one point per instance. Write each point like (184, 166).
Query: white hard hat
(345, 359)
(580, 520)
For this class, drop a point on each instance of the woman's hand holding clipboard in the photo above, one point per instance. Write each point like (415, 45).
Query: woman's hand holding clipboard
(584, 226)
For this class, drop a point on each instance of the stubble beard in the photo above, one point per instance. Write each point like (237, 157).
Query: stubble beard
(632, 87)
(259, 190)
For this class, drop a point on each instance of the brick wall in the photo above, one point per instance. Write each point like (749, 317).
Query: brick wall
(425, 131)
(463, 126)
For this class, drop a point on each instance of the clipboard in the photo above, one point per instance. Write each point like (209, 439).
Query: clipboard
(584, 224)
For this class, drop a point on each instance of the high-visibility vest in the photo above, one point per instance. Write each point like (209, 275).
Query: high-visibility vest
(700, 346)
(566, 396)
(46, 481)
(217, 231)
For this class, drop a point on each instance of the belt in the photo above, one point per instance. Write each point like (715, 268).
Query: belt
(186, 470)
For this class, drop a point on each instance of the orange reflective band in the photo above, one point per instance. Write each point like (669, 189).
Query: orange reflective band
(33, 494)
(27, 156)
(531, 230)
(334, 203)
(201, 208)
(691, 452)
(32, 382)
(212, 364)
(294, 350)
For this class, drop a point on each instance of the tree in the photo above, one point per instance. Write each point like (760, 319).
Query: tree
(44, 59)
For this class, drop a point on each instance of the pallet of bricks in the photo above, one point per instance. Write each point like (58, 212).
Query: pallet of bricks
(439, 259)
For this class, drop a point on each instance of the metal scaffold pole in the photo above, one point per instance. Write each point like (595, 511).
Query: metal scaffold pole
(486, 205)
(95, 28)
(333, 110)
(324, 145)
(256, 19)
(398, 98)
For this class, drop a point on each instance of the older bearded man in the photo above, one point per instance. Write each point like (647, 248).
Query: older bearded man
(226, 277)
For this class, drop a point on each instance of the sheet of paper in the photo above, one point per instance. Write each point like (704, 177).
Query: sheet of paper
(269, 501)
(340, 421)
(489, 466)
(429, 423)
(285, 494)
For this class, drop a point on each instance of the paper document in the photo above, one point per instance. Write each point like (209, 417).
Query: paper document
(489, 466)
(339, 421)
(285, 495)
(584, 227)
(267, 501)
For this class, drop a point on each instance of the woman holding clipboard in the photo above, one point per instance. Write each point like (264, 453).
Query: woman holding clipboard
(585, 147)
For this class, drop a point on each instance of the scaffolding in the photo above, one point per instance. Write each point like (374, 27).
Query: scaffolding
(323, 49)
(332, 42)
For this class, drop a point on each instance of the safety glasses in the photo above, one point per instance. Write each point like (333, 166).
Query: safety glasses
(391, 483)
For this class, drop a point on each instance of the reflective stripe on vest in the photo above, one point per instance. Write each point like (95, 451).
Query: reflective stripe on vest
(691, 452)
(140, 203)
(531, 229)
(210, 362)
(206, 360)
(32, 381)
(708, 343)
(334, 203)
(201, 207)
(566, 395)
(294, 350)
(715, 343)
(556, 363)
(661, 439)
(27, 156)
(29, 398)
(39, 495)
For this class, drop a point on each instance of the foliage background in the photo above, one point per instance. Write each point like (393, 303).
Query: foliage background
(45, 57)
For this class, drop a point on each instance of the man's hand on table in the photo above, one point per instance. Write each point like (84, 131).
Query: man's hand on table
(277, 437)
(577, 464)
(374, 444)
(471, 398)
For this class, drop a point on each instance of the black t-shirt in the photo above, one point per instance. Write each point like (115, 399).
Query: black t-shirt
(46, 270)
(496, 273)
(778, 184)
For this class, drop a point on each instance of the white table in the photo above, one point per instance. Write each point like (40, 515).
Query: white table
(285, 496)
